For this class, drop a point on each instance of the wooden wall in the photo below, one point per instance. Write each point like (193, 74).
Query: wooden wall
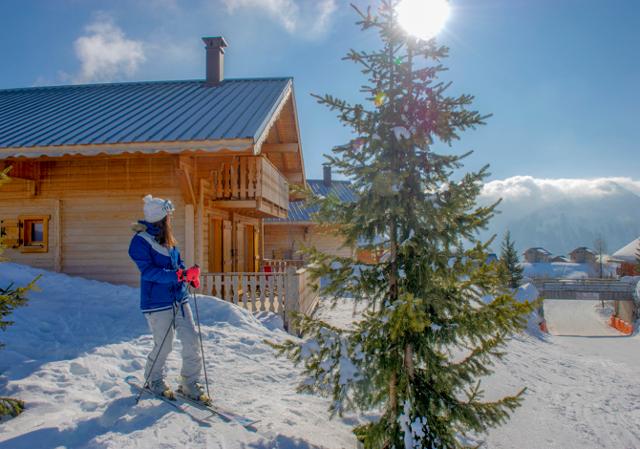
(13, 208)
(93, 201)
(287, 239)
(97, 200)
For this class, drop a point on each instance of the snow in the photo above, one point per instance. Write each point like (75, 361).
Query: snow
(628, 253)
(582, 391)
(76, 341)
(400, 132)
(70, 349)
(559, 270)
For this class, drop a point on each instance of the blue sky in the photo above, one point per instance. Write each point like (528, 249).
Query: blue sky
(559, 76)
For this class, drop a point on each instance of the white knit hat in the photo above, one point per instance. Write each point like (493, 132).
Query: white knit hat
(155, 209)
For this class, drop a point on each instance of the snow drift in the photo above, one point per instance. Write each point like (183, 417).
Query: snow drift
(70, 349)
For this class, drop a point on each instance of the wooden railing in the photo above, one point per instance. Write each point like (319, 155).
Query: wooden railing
(274, 186)
(279, 265)
(250, 178)
(281, 292)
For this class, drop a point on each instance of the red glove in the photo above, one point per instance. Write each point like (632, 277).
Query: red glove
(180, 274)
(192, 275)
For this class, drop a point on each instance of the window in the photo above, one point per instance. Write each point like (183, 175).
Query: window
(34, 233)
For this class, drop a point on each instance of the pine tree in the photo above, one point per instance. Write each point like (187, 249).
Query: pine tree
(10, 298)
(509, 259)
(638, 259)
(416, 357)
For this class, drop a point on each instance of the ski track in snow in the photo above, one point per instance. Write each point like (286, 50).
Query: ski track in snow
(76, 341)
(582, 392)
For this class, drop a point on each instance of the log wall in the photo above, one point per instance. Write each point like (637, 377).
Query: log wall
(92, 203)
(285, 241)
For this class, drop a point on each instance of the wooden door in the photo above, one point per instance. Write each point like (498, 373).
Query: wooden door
(257, 252)
(241, 247)
(215, 246)
(250, 248)
(227, 253)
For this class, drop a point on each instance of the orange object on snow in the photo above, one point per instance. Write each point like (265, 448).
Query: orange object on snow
(543, 327)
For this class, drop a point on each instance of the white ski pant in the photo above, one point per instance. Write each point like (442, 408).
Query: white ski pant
(161, 322)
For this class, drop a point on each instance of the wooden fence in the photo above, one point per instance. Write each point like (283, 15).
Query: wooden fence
(280, 265)
(281, 292)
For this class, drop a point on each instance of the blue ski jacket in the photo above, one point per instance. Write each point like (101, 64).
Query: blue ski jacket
(159, 286)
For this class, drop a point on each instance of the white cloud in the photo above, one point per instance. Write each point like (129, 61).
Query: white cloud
(105, 53)
(304, 18)
(536, 190)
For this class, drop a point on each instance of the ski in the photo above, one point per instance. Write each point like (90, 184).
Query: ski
(134, 383)
(211, 410)
(225, 415)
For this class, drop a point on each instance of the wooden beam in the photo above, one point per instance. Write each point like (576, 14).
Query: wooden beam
(235, 204)
(189, 235)
(280, 147)
(294, 177)
(184, 178)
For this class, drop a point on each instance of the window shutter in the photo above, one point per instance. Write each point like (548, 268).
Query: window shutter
(10, 233)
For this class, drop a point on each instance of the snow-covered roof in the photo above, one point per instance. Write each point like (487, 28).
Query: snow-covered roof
(538, 249)
(628, 253)
(583, 248)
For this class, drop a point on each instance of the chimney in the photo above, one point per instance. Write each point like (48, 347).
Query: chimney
(326, 174)
(215, 59)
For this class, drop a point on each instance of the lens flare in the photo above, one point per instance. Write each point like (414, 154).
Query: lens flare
(423, 18)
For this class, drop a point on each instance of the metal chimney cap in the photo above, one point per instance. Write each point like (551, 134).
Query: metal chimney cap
(215, 41)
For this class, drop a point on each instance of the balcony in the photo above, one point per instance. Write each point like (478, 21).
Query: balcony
(250, 185)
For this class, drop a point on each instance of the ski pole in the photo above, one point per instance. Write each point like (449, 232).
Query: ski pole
(204, 364)
(146, 378)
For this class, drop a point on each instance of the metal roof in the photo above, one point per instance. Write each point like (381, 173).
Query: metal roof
(299, 213)
(138, 112)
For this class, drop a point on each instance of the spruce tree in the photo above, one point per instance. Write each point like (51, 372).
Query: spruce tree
(509, 259)
(10, 298)
(426, 337)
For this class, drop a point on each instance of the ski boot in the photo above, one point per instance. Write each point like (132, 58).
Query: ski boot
(195, 391)
(161, 388)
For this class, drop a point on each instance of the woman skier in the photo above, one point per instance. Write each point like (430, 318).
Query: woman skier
(164, 300)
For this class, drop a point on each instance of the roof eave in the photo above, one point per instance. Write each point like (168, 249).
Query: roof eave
(174, 147)
(271, 118)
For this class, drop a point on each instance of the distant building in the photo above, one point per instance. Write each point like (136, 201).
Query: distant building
(491, 258)
(627, 257)
(537, 255)
(285, 237)
(583, 254)
(561, 259)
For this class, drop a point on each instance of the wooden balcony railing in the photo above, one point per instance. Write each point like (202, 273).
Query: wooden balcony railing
(252, 184)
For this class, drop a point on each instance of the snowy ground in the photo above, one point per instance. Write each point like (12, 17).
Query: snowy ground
(566, 270)
(582, 392)
(71, 348)
(578, 318)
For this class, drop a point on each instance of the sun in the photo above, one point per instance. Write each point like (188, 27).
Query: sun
(423, 18)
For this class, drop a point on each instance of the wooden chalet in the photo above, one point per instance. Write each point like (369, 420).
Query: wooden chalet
(225, 151)
(583, 254)
(536, 255)
(286, 236)
(628, 258)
